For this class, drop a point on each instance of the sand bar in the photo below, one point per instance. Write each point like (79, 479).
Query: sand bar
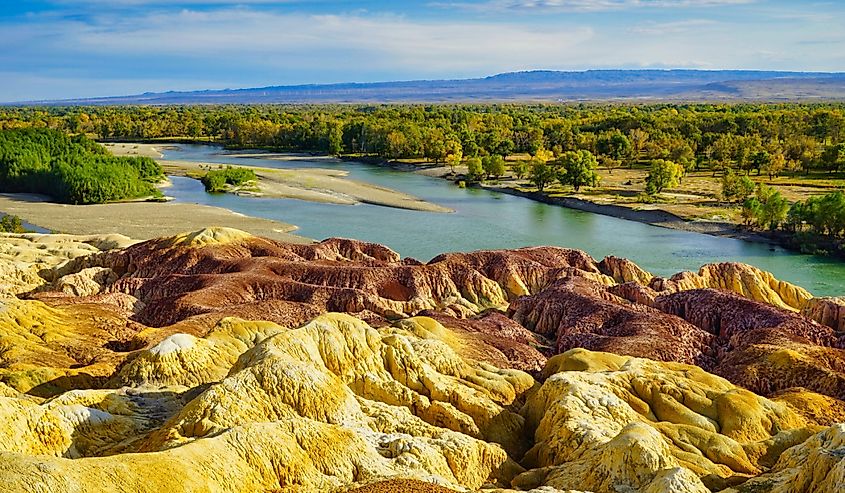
(312, 184)
(139, 220)
(130, 149)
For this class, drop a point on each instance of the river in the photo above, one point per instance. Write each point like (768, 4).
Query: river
(490, 220)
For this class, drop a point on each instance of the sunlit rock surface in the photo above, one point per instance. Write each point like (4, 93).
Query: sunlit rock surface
(29, 261)
(829, 311)
(742, 279)
(219, 361)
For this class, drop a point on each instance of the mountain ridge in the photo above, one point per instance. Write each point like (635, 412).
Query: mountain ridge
(534, 85)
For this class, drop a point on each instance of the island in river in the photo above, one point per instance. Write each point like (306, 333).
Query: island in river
(312, 184)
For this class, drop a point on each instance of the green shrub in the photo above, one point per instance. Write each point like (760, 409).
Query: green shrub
(766, 209)
(736, 188)
(662, 175)
(220, 180)
(11, 224)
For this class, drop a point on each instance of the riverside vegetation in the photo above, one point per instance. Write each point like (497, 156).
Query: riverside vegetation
(220, 180)
(73, 170)
(745, 163)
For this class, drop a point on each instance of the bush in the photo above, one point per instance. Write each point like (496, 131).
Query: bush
(767, 209)
(520, 169)
(824, 215)
(475, 170)
(493, 166)
(11, 224)
(579, 169)
(220, 180)
(541, 174)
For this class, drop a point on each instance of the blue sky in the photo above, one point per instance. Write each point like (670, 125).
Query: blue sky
(79, 48)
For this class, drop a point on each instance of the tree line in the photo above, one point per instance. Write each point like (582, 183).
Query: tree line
(757, 138)
(71, 169)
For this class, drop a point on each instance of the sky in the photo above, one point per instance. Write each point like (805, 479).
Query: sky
(58, 49)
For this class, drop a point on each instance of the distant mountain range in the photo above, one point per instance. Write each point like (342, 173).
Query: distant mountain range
(543, 85)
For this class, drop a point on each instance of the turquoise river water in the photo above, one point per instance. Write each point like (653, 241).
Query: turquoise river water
(491, 220)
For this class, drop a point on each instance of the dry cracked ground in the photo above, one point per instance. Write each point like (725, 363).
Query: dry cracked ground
(217, 361)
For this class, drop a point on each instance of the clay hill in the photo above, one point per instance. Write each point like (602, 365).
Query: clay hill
(217, 361)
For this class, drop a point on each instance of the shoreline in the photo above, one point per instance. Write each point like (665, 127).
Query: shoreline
(322, 185)
(654, 217)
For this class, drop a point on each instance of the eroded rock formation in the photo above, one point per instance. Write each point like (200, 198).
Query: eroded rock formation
(219, 361)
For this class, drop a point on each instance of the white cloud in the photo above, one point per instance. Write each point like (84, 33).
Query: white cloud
(676, 27)
(584, 5)
(160, 49)
(143, 3)
(301, 41)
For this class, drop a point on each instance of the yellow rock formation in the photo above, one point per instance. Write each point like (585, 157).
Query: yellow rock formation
(817, 465)
(623, 270)
(46, 350)
(743, 279)
(329, 404)
(27, 260)
(93, 401)
(604, 422)
(828, 311)
(209, 236)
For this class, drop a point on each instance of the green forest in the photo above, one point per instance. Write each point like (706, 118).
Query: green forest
(71, 169)
(762, 138)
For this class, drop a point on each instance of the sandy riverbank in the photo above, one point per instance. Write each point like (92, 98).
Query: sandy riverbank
(139, 220)
(312, 184)
(276, 184)
(132, 149)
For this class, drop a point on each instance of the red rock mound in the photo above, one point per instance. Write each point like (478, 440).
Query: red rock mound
(511, 307)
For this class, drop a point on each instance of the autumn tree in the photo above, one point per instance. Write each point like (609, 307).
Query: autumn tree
(637, 137)
(541, 174)
(766, 209)
(663, 174)
(578, 168)
(614, 145)
(454, 159)
(833, 157)
(475, 168)
(493, 166)
(736, 188)
(609, 163)
(774, 166)
(520, 169)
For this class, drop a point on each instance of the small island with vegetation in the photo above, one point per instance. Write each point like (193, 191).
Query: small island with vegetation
(228, 178)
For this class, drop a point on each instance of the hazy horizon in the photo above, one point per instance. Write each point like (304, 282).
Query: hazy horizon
(63, 49)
